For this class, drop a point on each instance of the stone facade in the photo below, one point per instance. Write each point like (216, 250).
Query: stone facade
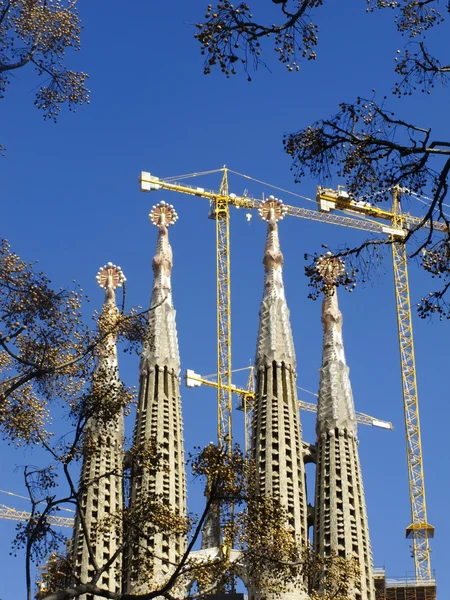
(159, 418)
(277, 448)
(341, 525)
(276, 444)
(101, 479)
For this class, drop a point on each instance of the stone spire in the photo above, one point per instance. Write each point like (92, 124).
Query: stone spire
(275, 336)
(152, 557)
(336, 408)
(340, 525)
(276, 432)
(161, 345)
(101, 478)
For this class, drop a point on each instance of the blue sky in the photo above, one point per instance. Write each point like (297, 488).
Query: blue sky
(72, 202)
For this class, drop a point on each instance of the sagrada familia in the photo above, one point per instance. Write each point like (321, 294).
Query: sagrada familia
(338, 517)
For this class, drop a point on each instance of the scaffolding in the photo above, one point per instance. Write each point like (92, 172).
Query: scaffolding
(403, 588)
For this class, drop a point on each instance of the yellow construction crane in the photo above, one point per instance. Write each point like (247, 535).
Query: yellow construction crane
(11, 514)
(367, 219)
(220, 202)
(247, 396)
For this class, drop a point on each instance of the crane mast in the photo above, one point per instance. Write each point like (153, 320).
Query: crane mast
(221, 213)
(419, 530)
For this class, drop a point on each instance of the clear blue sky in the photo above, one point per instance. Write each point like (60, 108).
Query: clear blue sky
(71, 200)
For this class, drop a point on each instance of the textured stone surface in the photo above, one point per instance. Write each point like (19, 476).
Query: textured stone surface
(275, 341)
(276, 431)
(161, 346)
(336, 406)
(340, 525)
(159, 417)
(211, 528)
(101, 481)
(340, 519)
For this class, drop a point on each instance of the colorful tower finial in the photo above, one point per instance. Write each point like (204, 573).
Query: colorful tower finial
(272, 209)
(330, 269)
(163, 214)
(110, 276)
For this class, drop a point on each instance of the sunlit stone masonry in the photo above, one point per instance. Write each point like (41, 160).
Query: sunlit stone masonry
(340, 526)
(101, 478)
(159, 418)
(276, 431)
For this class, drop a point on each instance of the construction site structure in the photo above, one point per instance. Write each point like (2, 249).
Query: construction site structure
(276, 445)
(101, 477)
(12, 514)
(247, 395)
(368, 218)
(151, 558)
(403, 588)
(223, 199)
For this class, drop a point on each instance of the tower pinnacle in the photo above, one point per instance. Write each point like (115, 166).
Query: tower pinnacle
(152, 556)
(109, 278)
(340, 524)
(162, 347)
(336, 406)
(275, 336)
(276, 432)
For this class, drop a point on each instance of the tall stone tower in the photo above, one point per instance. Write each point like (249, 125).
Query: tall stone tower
(101, 478)
(340, 512)
(276, 430)
(159, 419)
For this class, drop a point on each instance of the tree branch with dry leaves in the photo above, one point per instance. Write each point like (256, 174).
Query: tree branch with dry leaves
(372, 151)
(364, 144)
(40, 33)
(48, 354)
(230, 36)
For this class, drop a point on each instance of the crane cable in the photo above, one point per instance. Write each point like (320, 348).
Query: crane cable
(275, 187)
(421, 198)
(27, 498)
(191, 175)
